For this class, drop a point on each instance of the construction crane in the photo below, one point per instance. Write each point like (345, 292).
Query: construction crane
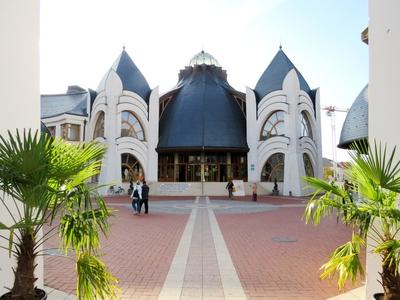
(331, 112)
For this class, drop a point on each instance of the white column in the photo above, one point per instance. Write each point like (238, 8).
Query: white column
(152, 139)
(318, 138)
(58, 130)
(383, 94)
(111, 167)
(252, 135)
(19, 92)
(293, 159)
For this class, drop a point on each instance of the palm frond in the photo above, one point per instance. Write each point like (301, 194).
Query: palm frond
(94, 280)
(345, 262)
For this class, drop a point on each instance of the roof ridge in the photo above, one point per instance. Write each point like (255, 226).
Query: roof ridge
(63, 94)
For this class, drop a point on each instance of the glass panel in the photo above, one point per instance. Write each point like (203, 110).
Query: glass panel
(274, 168)
(194, 173)
(305, 126)
(211, 173)
(74, 132)
(140, 136)
(131, 170)
(238, 166)
(274, 125)
(223, 173)
(70, 132)
(182, 157)
(308, 165)
(52, 130)
(193, 158)
(99, 127)
(166, 167)
(130, 126)
(181, 173)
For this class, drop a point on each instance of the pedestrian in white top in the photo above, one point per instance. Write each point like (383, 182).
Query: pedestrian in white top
(136, 197)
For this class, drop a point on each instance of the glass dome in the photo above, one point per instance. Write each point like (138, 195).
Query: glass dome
(203, 58)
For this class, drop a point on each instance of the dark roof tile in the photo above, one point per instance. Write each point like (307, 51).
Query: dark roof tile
(272, 78)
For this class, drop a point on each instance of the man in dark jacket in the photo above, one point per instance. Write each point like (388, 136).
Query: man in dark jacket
(145, 198)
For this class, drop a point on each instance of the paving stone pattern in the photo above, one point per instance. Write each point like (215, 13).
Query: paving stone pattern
(201, 249)
(269, 269)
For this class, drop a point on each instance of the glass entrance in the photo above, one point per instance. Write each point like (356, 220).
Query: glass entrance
(198, 166)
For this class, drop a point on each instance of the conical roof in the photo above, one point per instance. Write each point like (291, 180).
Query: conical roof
(355, 126)
(131, 77)
(273, 76)
(202, 113)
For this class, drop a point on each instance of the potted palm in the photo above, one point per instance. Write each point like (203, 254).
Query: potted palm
(43, 180)
(375, 176)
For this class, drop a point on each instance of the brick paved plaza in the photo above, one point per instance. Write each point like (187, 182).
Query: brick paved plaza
(214, 249)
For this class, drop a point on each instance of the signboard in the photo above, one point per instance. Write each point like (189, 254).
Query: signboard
(174, 187)
(239, 187)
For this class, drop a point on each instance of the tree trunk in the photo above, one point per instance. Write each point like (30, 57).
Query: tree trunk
(390, 282)
(24, 281)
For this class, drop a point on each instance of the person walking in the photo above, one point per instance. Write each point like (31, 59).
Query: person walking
(229, 187)
(136, 197)
(254, 190)
(145, 198)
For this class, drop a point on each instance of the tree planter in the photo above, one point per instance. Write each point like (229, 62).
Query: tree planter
(381, 296)
(40, 295)
(378, 296)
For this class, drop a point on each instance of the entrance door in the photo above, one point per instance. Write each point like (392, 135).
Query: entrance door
(194, 173)
(182, 173)
(222, 173)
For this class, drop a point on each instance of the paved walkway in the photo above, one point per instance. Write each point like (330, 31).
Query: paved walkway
(218, 249)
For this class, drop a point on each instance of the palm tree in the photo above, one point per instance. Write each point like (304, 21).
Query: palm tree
(44, 180)
(375, 177)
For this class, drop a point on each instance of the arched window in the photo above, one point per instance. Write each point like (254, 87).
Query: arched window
(130, 126)
(305, 126)
(274, 168)
(131, 170)
(274, 125)
(99, 127)
(308, 165)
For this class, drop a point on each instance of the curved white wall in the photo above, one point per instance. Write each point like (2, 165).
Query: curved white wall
(292, 101)
(113, 100)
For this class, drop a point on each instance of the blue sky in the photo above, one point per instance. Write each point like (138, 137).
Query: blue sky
(81, 39)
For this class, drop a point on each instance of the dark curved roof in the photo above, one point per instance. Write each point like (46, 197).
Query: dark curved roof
(202, 113)
(74, 102)
(132, 79)
(272, 78)
(355, 126)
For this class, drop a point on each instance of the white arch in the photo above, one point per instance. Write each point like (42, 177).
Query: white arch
(270, 99)
(268, 107)
(307, 143)
(305, 101)
(132, 103)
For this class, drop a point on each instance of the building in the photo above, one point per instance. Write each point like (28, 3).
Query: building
(355, 126)
(202, 132)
